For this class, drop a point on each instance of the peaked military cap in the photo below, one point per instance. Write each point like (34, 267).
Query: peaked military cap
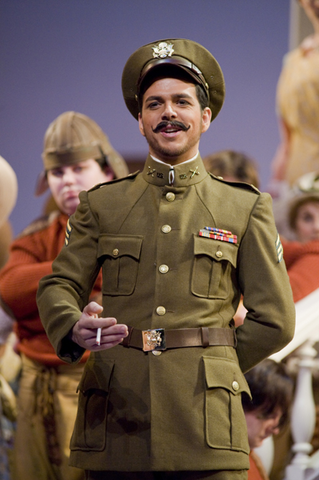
(162, 55)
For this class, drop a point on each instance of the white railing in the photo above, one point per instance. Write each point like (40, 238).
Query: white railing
(302, 359)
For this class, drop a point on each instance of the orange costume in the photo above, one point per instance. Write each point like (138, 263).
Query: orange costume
(256, 470)
(46, 380)
(31, 257)
(302, 261)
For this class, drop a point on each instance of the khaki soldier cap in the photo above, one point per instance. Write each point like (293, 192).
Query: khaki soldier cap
(72, 138)
(190, 56)
(8, 190)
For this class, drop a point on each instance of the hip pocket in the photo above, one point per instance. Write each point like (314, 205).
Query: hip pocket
(90, 424)
(225, 422)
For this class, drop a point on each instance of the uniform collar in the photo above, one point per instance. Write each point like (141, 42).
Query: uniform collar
(183, 175)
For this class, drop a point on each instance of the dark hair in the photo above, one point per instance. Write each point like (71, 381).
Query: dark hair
(229, 163)
(271, 387)
(102, 161)
(172, 71)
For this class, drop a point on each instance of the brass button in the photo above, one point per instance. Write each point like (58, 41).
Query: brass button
(235, 385)
(163, 268)
(170, 196)
(156, 352)
(219, 254)
(115, 252)
(166, 228)
(161, 310)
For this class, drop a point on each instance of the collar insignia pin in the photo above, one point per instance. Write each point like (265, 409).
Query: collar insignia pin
(194, 172)
(151, 171)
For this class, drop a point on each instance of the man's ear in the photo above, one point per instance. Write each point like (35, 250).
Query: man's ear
(140, 124)
(206, 119)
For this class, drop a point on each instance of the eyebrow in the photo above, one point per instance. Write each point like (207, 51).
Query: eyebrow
(175, 96)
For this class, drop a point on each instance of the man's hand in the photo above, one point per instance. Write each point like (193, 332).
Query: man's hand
(84, 332)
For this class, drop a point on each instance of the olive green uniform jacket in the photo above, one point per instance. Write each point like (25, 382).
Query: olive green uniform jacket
(180, 410)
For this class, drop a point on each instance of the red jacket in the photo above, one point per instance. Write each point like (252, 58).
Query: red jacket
(302, 261)
(31, 257)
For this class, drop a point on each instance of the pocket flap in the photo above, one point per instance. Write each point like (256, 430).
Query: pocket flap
(225, 373)
(119, 245)
(97, 379)
(216, 249)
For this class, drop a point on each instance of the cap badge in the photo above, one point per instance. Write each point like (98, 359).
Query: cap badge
(163, 50)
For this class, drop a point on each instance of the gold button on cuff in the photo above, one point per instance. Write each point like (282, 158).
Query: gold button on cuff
(161, 310)
(115, 252)
(235, 385)
(170, 196)
(163, 268)
(166, 228)
(219, 254)
(156, 352)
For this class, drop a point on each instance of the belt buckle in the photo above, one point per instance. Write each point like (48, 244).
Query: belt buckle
(153, 339)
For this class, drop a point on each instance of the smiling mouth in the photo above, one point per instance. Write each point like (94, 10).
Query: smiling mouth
(170, 127)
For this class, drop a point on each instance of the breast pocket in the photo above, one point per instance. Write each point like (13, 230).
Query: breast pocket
(120, 257)
(214, 267)
(90, 425)
(224, 415)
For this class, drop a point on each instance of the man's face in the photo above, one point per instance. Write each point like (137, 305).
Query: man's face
(165, 102)
(260, 426)
(68, 181)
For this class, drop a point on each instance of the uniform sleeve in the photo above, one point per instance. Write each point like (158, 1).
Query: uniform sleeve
(270, 320)
(63, 294)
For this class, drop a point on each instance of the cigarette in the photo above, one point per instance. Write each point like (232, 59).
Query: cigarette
(98, 336)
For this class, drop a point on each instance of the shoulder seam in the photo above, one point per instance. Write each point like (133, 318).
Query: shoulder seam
(115, 180)
(243, 185)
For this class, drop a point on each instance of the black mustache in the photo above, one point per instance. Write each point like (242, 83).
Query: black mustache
(165, 123)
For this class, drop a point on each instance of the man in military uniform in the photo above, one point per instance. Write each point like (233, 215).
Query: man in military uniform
(177, 249)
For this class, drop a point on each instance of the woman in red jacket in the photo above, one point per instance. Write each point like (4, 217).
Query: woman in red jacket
(302, 256)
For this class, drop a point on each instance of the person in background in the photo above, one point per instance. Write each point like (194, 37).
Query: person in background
(233, 166)
(8, 198)
(267, 410)
(9, 361)
(298, 110)
(161, 392)
(300, 241)
(76, 156)
(302, 255)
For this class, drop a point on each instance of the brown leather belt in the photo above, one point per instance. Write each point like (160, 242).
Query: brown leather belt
(161, 339)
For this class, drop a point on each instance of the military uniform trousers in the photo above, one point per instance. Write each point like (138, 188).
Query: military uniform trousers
(41, 449)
